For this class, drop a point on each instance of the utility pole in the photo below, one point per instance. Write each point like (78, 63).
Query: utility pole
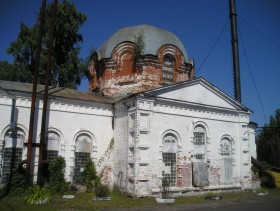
(34, 92)
(46, 93)
(235, 54)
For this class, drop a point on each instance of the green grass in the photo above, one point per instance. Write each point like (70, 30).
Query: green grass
(83, 201)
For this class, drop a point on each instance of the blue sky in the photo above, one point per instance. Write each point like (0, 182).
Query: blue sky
(197, 23)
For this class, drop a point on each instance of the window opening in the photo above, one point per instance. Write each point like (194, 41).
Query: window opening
(169, 173)
(51, 146)
(12, 152)
(199, 143)
(167, 70)
(169, 159)
(82, 154)
(225, 147)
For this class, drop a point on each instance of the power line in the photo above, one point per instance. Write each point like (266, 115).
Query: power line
(251, 73)
(259, 31)
(213, 46)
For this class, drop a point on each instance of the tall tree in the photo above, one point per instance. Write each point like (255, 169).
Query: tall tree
(67, 68)
(10, 72)
(268, 141)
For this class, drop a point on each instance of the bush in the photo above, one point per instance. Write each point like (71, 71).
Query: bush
(57, 183)
(165, 190)
(91, 179)
(36, 195)
(3, 191)
(17, 183)
(102, 191)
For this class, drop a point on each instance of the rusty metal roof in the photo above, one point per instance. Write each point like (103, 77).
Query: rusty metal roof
(10, 86)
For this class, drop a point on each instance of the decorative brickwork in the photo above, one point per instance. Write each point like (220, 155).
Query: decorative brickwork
(123, 73)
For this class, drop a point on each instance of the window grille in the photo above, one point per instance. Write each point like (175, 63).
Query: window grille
(51, 146)
(83, 152)
(199, 156)
(80, 161)
(199, 138)
(169, 172)
(12, 152)
(167, 70)
(225, 147)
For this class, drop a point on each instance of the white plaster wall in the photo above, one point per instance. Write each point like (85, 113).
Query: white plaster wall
(120, 153)
(182, 122)
(67, 117)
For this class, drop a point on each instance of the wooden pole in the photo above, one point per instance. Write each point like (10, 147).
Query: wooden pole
(46, 93)
(34, 92)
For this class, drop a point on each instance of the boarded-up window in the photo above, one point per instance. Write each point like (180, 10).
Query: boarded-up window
(226, 171)
(226, 162)
(200, 174)
(126, 63)
(200, 167)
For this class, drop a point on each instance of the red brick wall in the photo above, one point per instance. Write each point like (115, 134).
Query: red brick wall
(123, 73)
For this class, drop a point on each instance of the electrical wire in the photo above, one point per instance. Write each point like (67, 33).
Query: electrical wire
(213, 46)
(251, 73)
(259, 31)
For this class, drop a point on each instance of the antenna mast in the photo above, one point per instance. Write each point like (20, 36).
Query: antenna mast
(235, 54)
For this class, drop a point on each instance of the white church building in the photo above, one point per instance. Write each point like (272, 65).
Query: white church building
(145, 119)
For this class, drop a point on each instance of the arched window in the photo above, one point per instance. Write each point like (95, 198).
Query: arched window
(52, 141)
(167, 69)
(84, 144)
(169, 151)
(199, 142)
(12, 152)
(225, 147)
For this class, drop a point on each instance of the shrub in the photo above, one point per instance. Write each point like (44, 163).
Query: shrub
(165, 190)
(3, 191)
(57, 183)
(17, 184)
(91, 179)
(102, 191)
(36, 195)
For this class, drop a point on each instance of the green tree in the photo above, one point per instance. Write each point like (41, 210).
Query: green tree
(268, 141)
(57, 183)
(67, 68)
(10, 72)
(91, 179)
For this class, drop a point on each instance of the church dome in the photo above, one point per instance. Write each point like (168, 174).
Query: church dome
(154, 38)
